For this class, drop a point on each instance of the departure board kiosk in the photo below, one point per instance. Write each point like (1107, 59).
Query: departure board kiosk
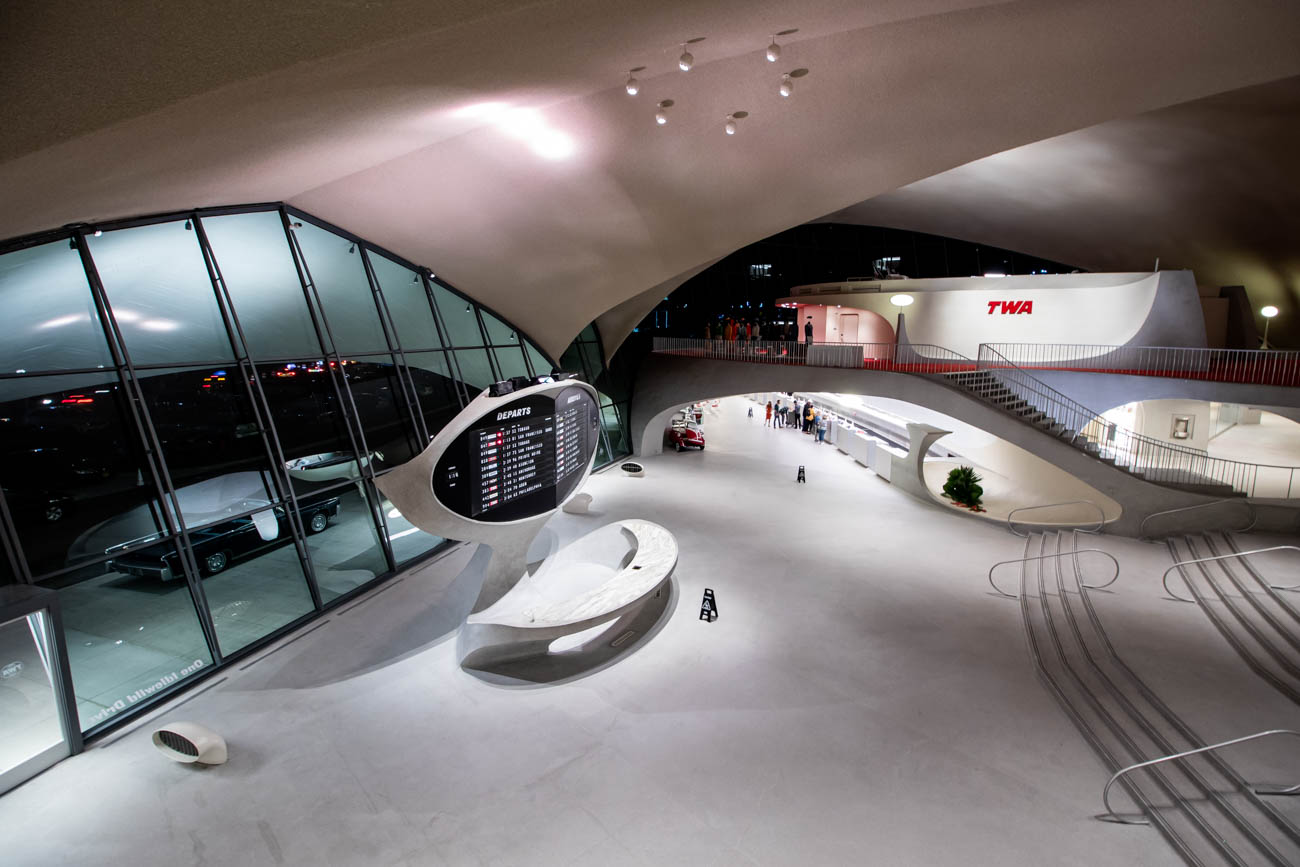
(500, 469)
(495, 475)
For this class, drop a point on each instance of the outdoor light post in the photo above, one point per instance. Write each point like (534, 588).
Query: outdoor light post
(1268, 313)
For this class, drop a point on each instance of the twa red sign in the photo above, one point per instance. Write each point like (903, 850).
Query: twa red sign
(1011, 307)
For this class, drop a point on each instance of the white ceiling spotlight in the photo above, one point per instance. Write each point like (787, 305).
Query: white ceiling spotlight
(661, 116)
(633, 87)
(774, 50)
(687, 60)
(730, 126)
(787, 80)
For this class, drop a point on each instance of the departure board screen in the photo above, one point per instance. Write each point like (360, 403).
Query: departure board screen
(521, 459)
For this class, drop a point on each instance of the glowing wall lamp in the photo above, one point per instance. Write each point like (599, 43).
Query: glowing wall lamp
(1268, 313)
(901, 300)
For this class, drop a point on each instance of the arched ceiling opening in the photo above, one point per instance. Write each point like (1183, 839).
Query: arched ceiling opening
(1211, 185)
(415, 124)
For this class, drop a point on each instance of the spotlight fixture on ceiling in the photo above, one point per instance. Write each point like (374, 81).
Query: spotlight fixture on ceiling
(773, 51)
(661, 116)
(730, 126)
(188, 227)
(687, 60)
(467, 309)
(633, 87)
(787, 85)
(352, 248)
(99, 233)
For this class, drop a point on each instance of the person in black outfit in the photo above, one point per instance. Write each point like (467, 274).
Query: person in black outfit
(807, 336)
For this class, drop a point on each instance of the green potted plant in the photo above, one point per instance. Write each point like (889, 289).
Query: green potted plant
(963, 488)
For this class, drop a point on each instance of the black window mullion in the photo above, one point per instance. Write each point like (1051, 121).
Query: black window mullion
(395, 351)
(149, 441)
(261, 408)
(336, 370)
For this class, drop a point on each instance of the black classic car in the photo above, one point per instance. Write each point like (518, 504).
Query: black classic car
(216, 546)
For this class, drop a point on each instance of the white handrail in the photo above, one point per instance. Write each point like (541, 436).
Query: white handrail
(1074, 552)
(1254, 515)
(1111, 816)
(1100, 523)
(1164, 579)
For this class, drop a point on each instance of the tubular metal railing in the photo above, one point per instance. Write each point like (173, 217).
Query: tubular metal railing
(1074, 553)
(1164, 579)
(1247, 366)
(1111, 816)
(1250, 507)
(1101, 516)
(1155, 460)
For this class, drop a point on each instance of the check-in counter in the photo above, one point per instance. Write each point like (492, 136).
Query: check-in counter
(875, 454)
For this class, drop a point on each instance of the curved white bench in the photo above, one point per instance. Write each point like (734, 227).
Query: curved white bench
(606, 575)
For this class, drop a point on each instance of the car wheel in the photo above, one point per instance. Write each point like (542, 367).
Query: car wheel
(679, 446)
(53, 513)
(318, 522)
(215, 562)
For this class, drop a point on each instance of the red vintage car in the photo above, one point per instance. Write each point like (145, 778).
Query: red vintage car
(682, 434)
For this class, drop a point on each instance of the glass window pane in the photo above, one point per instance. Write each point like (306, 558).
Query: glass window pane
(408, 305)
(71, 465)
(537, 359)
(613, 431)
(252, 576)
(571, 362)
(475, 370)
(384, 411)
(210, 440)
(50, 319)
(498, 332)
(458, 316)
(602, 453)
(263, 283)
(435, 388)
(347, 553)
(129, 637)
(158, 287)
(309, 423)
(510, 361)
(589, 334)
(595, 366)
(407, 541)
(341, 282)
(30, 723)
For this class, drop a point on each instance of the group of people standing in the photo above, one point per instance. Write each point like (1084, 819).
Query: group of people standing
(741, 330)
(800, 416)
(734, 330)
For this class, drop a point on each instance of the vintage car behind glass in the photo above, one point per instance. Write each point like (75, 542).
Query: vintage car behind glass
(217, 545)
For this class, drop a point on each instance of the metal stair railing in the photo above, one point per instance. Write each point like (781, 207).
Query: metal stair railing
(1107, 554)
(1101, 516)
(1164, 579)
(1162, 462)
(1254, 516)
(1111, 816)
(1242, 366)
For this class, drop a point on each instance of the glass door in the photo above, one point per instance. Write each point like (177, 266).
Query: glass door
(31, 728)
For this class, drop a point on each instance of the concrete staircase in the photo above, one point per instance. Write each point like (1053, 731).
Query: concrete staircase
(989, 387)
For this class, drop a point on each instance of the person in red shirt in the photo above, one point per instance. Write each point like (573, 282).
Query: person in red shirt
(768, 420)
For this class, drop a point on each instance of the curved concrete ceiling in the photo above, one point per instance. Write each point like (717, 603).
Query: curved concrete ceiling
(1212, 185)
(411, 123)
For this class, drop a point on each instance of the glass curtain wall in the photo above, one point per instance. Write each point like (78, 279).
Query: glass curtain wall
(193, 411)
(586, 354)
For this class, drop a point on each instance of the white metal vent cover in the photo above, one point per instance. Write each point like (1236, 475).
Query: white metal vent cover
(190, 742)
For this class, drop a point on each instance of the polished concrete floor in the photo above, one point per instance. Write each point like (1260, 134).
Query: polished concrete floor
(862, 699)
